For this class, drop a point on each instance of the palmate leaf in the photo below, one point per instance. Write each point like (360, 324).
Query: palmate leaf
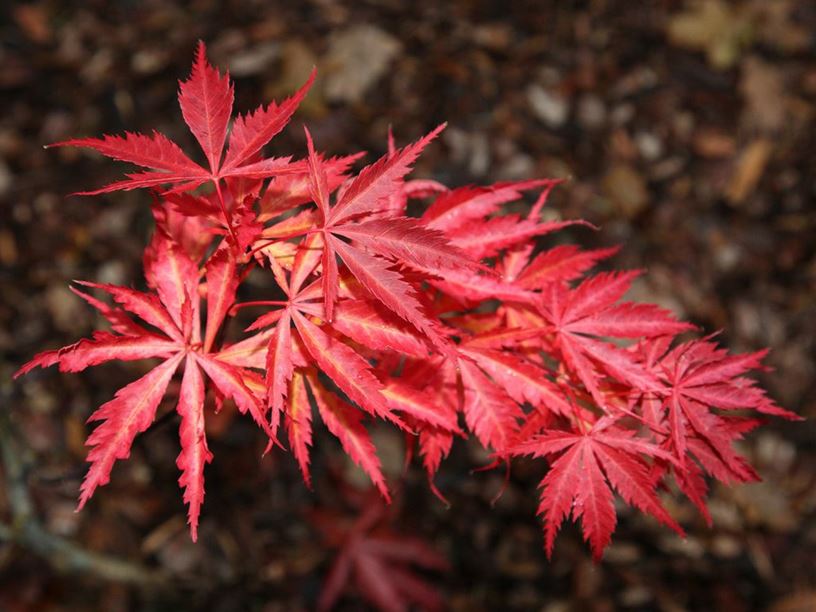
(489, 412)
(134, 407)
(590, 310)
(695, 414)
(581, 479)
(523, 380)
(206, 103)
(378, 562)
(401, 240)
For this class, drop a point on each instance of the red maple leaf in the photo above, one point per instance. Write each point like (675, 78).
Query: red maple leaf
(694, 416)
(377, 563)
(580, 481)
(206, 104)
(173, 335)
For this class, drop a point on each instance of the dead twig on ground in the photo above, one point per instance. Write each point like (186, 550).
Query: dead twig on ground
(64, 556)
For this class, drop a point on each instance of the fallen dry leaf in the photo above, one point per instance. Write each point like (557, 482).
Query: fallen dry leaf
(748, 171)
(763, 88)
(712, 26)
(713, 144)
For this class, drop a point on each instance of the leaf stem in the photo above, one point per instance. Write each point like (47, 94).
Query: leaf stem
(236, 307)
(223, 206)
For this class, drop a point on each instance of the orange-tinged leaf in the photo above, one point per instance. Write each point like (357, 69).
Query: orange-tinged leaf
(129, 413)
(222, 282)
(345, 422)
(206, 104)
(299, 423)
(194, 451)
(346, 368)
(252, 131)
(389, 288)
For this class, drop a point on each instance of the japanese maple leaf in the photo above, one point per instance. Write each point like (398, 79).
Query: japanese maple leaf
(397, 204)
(489, 410)
(481, 234)
(343, 420)
(347, 369)
(701, 378)
(287, 191)
(523, 379)
(468, 217)
(457, 208)
(206, 104)
(295, 341)
(558, 264)
(397, 239)
(378, 563)
(430, 383)
(581, 478)
(174, 336)
(579, 316)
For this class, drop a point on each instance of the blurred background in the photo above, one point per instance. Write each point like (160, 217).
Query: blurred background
(686, 130)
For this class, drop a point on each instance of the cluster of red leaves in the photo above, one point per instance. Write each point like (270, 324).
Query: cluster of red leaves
(375, 562)
(413, 320)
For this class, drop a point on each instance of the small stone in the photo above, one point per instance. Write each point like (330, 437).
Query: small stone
(550, 107)
(254, 60)
(112, 272)
(713, 144)
(622, 114)
(148, 61)
(357, 58)
(8, 248)
(6, 178)
(591, 112)
(749, 169)
(649, 146)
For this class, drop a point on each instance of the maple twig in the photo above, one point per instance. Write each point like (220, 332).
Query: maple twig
(236, 307)
(223, 206)
(271, 241)
(62, 554)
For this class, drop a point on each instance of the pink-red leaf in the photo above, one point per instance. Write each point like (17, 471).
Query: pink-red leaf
(345, 422)
(194, 453)
(346, 368)
(129, 413)
(377, 181)
(299, 423)
(252, 131)
(489, 412)
(206, 104)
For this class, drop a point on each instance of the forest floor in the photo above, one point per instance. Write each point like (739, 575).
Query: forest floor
(687, 133)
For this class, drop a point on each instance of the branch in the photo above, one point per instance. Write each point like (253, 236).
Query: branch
(63, 555)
